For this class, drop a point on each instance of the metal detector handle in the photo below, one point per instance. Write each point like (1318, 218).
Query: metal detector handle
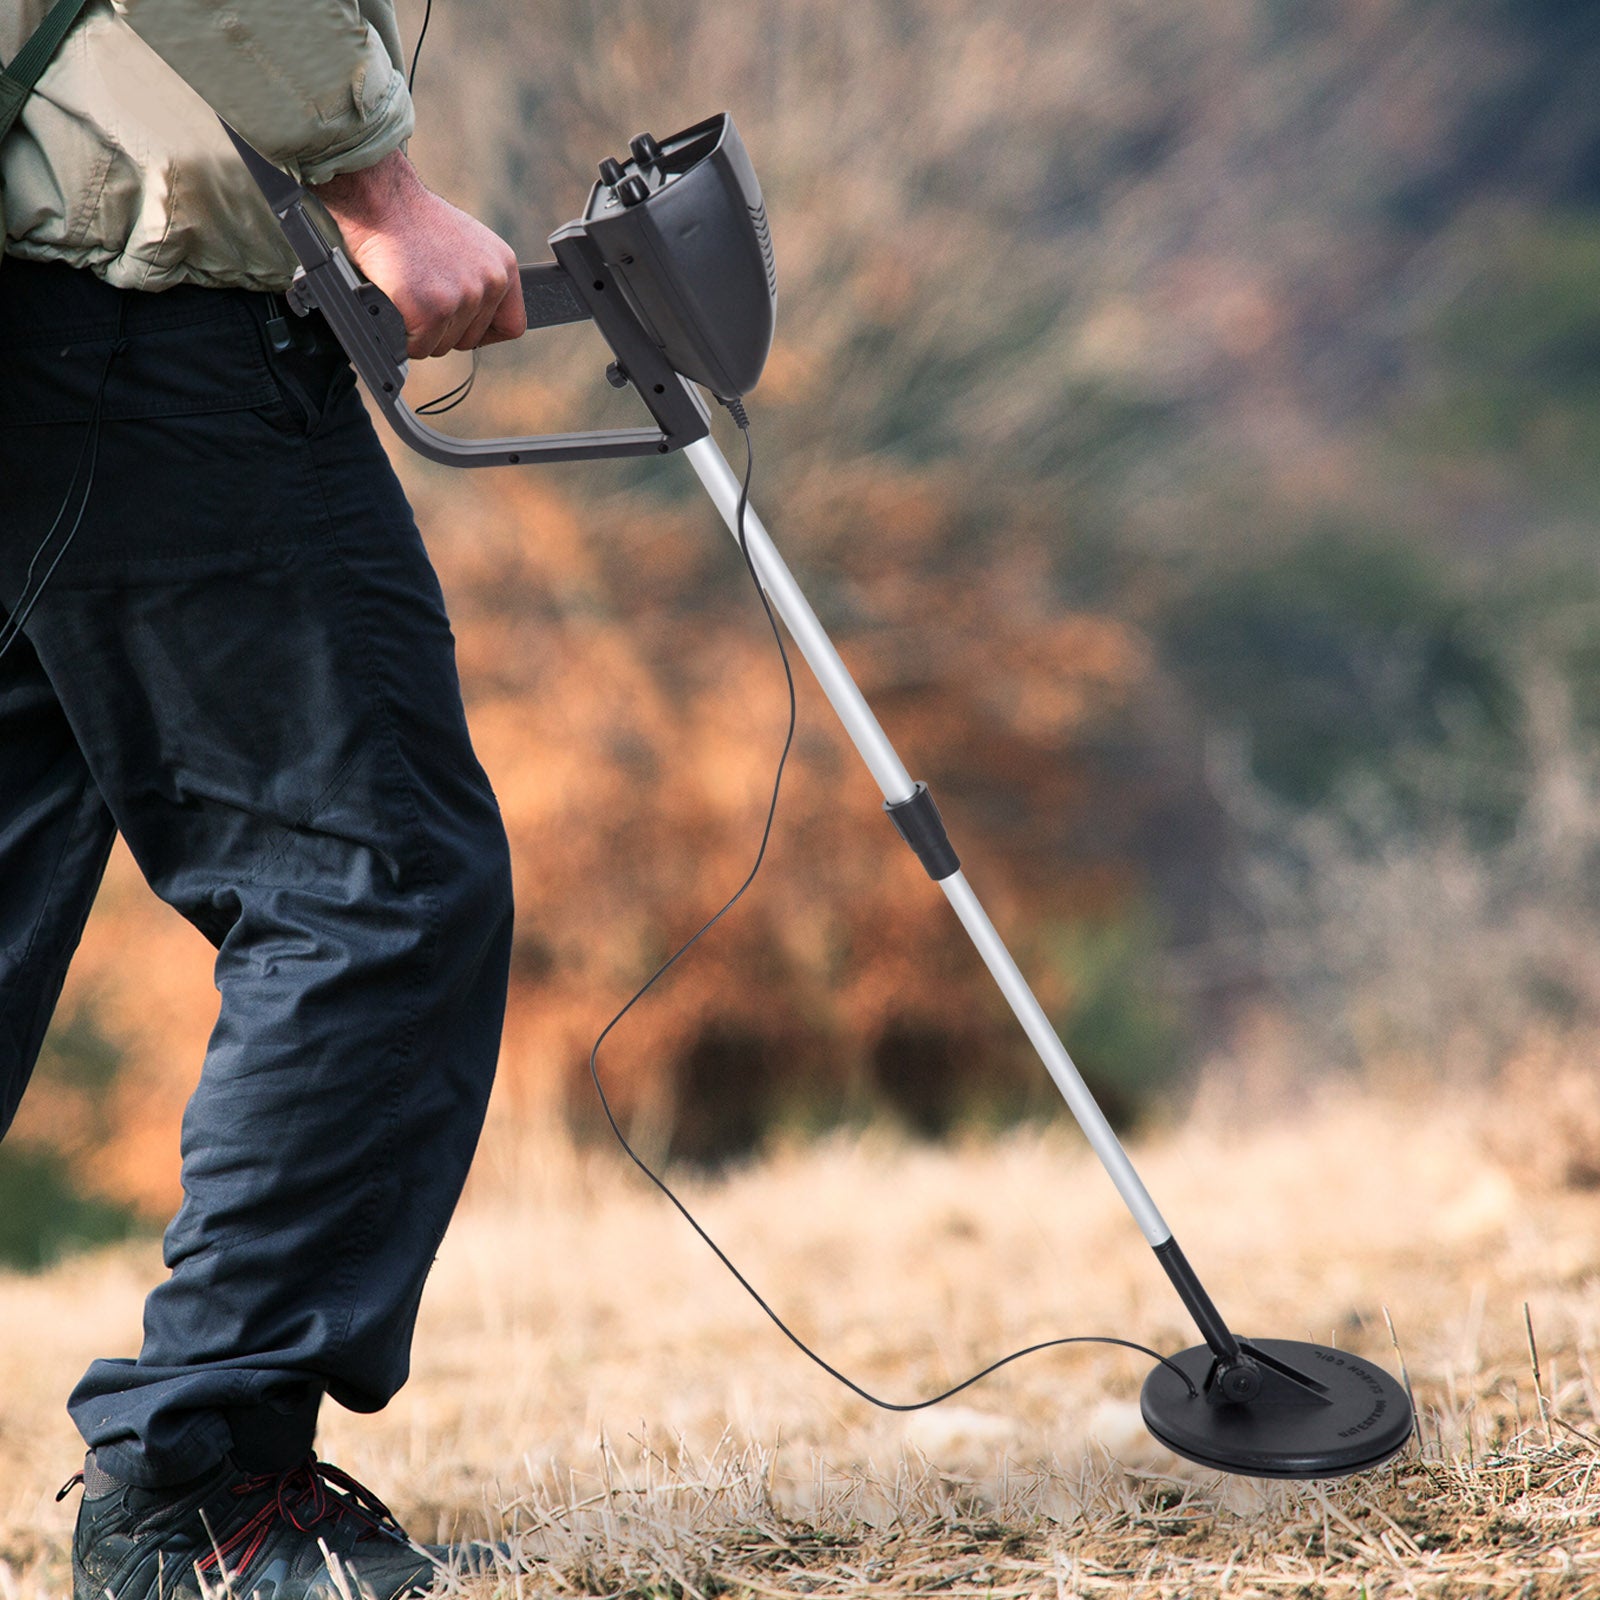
(369, 327)
(548, 300)
(578, 285)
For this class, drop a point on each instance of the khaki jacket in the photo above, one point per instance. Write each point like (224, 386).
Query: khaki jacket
(118, 164)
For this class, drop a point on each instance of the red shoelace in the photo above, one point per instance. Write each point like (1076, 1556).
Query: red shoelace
(309, 1493)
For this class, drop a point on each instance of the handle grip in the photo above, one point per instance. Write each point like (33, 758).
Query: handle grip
(548, 299)
(572, 288)
(369, 326)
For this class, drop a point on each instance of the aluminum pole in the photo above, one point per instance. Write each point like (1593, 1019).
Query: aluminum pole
(892, 778)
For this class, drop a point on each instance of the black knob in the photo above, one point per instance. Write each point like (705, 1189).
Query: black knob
(610, 172)
(646, 152)
(617, 376)
(632, 190)
(1241, 1383)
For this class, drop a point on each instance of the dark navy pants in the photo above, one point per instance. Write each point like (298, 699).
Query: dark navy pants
(243, 664)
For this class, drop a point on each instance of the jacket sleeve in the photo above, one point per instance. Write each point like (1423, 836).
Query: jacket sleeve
(317, 85)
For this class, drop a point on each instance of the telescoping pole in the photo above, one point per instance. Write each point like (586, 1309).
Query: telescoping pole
(898, 789)
(912, 810)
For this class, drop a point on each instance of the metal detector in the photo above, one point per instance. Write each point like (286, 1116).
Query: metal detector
(672, 262)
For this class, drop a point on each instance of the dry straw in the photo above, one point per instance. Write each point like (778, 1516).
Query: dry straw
(590, 1388)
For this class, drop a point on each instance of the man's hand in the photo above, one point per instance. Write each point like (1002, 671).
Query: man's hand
(453, 280)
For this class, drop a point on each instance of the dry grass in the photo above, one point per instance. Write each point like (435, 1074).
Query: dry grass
(590, 1386)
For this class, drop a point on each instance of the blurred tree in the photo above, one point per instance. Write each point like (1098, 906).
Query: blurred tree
(1337, 656)
(44, 1214)
(1513, 376)
(47, 1209)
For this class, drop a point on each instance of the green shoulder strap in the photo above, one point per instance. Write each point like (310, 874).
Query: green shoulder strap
(17, 80)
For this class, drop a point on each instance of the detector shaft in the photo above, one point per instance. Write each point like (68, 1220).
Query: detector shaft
(892, 778)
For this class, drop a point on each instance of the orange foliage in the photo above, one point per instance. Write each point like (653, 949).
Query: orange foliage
(633, 746)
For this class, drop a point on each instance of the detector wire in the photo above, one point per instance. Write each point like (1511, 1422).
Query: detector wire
(416, 51)
(12, 627)
(736, 409)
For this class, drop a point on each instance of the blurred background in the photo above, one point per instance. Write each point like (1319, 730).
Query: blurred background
(1186, 420)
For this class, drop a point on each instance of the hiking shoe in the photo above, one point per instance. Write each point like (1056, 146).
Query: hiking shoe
(309, 1533)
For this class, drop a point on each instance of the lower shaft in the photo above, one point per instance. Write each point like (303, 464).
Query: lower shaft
(1192, 1292)
(1053, 1054)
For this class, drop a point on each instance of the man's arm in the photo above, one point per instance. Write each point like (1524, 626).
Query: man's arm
(317, 86)
(453, 280)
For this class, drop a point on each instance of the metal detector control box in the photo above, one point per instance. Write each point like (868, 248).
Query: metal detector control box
(683, 232)
(671, 260)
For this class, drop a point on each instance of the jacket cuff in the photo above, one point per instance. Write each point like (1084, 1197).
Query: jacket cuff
(310, 83)
(382, 131)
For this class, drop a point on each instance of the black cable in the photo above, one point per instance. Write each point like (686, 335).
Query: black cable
(416, 52)
(451, 398)
(736, 409)
(11, 628)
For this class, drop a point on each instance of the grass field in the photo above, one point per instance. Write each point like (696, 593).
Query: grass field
(590, 1384)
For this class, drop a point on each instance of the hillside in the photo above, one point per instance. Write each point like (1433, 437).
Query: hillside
(590, 1384)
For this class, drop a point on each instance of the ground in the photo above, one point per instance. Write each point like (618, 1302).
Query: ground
(592, 1386)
